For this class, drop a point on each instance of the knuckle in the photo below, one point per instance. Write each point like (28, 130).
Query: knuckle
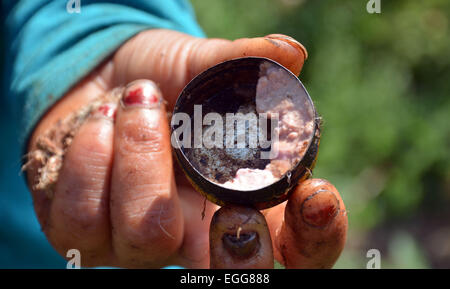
(89, 157)
(82, 217)
(88, 163)
(153, 228)
(140, 138)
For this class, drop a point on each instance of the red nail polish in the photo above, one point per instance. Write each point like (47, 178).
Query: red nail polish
(320, 209)
(142, 93)
(107, 110)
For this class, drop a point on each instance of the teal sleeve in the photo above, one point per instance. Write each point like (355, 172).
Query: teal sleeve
(49, 49)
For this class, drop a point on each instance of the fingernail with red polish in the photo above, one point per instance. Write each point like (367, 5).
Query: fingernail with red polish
(142, 93)
(106, 110)
(320, 209)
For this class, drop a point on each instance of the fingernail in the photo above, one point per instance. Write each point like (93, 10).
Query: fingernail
(291, 41)
(106, 110)
(239, 237)
(142, 93)
(241, 245)
(320, 208)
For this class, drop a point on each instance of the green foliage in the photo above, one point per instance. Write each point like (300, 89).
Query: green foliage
(381, 83)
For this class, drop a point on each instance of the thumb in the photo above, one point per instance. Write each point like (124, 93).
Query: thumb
(172, 58)
(239, 239)
(281, 48)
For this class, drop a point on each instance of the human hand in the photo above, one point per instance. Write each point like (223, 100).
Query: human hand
(120, 199)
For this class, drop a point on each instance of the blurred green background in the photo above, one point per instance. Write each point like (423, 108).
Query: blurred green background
(382, 85)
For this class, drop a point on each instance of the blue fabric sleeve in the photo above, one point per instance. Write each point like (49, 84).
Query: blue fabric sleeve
(49, 50)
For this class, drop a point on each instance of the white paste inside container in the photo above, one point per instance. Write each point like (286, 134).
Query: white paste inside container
(277, 92)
